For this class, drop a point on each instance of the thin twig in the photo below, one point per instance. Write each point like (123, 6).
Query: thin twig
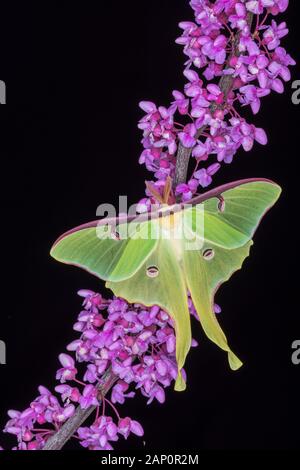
(61, 437)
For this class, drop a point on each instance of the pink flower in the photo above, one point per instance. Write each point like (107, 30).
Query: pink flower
(251, 95)
(68, 393)
(187, 190)
(274, 33)
(215, 50)
(89, 397)
(187, 137)
(204, 176)
(239, 19)
(126, 426)
(181, 102)
(245, 134)
(68, 371)
(274, 6)
(201, 150)
(118, 394)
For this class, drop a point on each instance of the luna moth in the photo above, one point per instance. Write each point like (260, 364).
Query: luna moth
(158, 258)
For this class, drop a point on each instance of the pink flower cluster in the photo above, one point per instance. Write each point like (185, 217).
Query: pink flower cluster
(223, 45)
(135, 342)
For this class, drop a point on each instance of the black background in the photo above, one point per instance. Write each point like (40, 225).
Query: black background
(68, 142)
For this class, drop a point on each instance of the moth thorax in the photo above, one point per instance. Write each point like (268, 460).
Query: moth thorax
(171, 228)
(171, 224)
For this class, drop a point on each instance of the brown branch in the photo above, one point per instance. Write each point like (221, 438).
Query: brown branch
(61, 437)
(225, 84)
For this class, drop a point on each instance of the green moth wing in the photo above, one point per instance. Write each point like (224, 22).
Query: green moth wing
(103, 249)
(203, 277)
(233, 212)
